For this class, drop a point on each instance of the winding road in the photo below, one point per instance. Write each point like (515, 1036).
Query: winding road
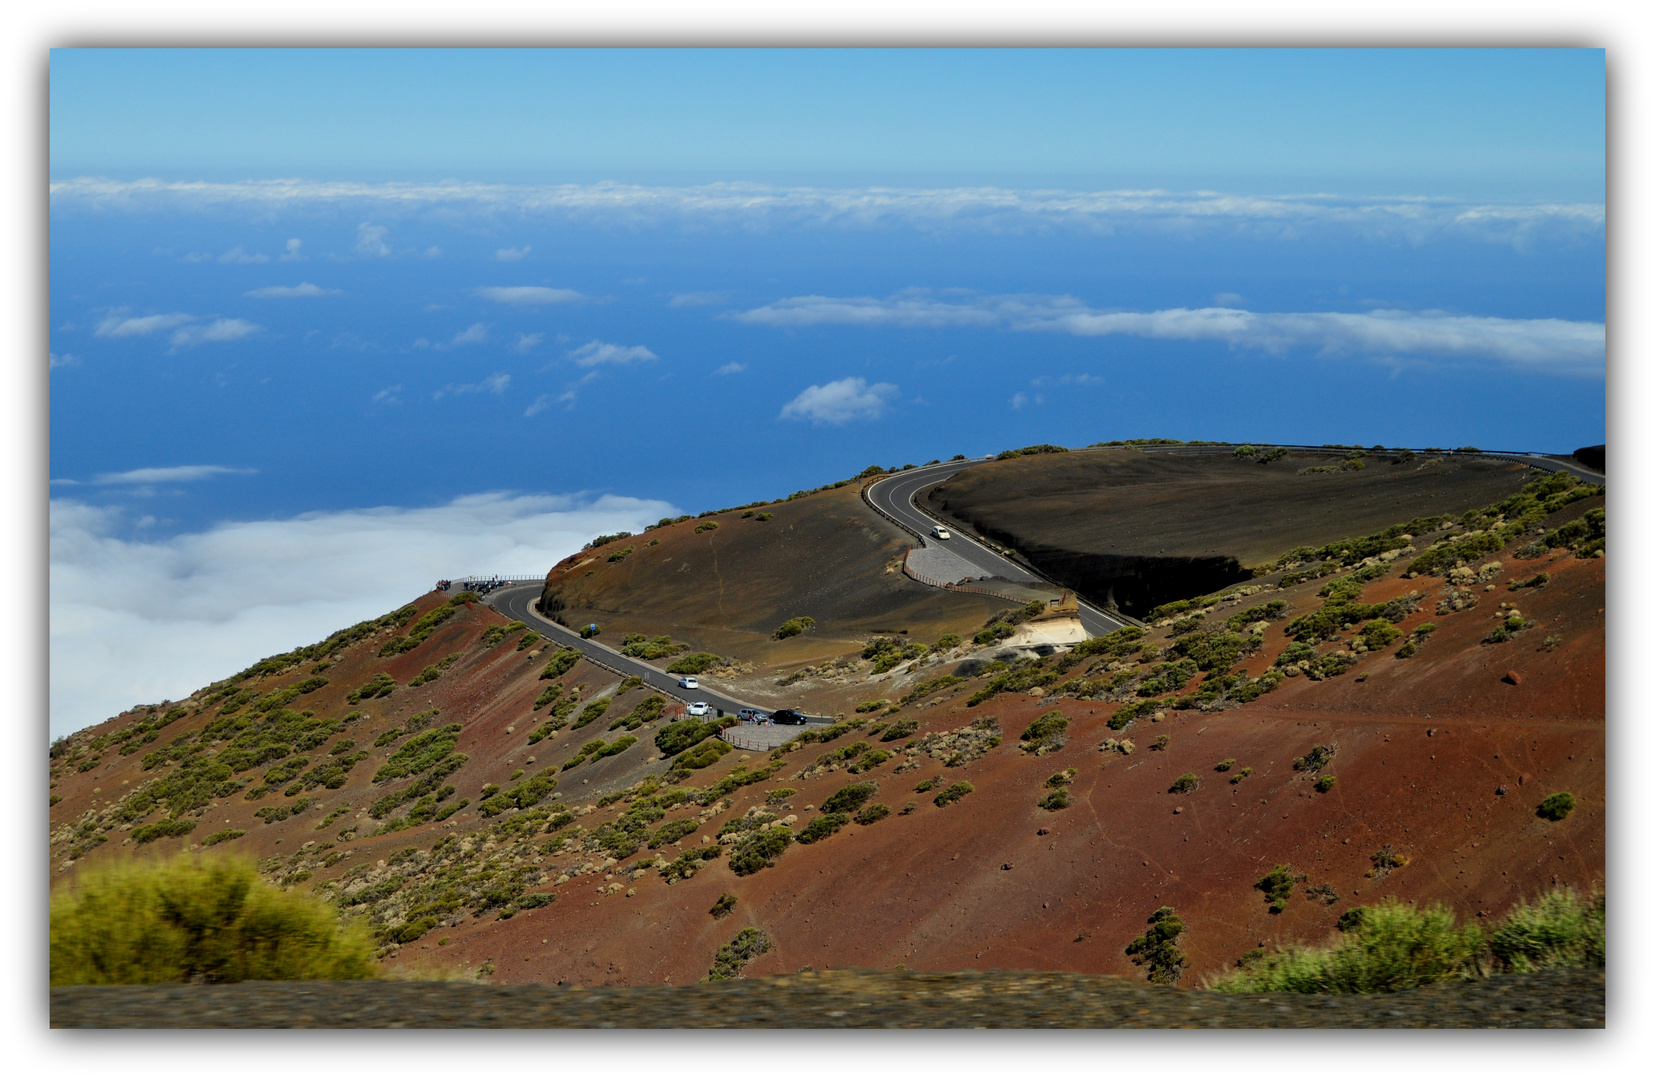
(894, 498)
(518, 603)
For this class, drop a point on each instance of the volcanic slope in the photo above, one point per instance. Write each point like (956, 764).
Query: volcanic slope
(1021, 811)
(1136, 529)
(724, 583)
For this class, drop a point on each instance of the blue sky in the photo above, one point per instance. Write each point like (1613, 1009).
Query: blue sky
(325, 325)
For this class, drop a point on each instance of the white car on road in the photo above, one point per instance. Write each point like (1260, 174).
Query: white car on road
(698, 708)
(688, 683)
(941, 533)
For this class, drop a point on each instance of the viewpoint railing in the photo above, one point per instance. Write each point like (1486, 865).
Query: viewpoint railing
(957, 586)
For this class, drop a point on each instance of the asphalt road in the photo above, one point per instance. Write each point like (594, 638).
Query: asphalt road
(518, 603)
(894, 497)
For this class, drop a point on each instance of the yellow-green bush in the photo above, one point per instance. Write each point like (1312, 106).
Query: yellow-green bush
(196, 918)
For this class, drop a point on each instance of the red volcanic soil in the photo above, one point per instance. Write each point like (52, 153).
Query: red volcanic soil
(1441, 757)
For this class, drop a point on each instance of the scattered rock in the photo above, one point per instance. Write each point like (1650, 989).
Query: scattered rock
(1513, 678)
(1501, 790)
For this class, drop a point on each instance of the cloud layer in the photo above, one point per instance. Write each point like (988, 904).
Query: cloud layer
(1413, 218)
(190, 329)
(279, 292)
(1555, 345)
(528, 295)
(840, 402)
(596, 352)
(135, 621)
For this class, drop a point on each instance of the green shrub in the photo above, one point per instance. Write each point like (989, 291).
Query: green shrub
(560, 663)
(928, 783)
(1045, 733)
(823, 827)
(167, 827)
(946, 642)
(927, 688)
(871, 813)
(1057, 800)
(725, 904)
(221, 836)
(673, 831)
(1185, 784)
(899, 729)
(1157, 948)
(703, 755)
(1390, 946)
(954, 792)
(646, 648)
(380, 685)
(1225, 766)
(593, 710)
(872, 706)
(1561, 929)
(195, 919)
(1325, 784)
(870, 760)
(1277, 887)
(1316, 758)
(680, 735)
(793, 627)
(528, 640)
(747, 946)
(1556, 807)
(694, 663)
(849, 798)
(759, 849)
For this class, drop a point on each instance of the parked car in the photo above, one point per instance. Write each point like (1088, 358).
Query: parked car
(941, 533)
(751, 716)
(699, 708)
(688, 683)
(786, 716)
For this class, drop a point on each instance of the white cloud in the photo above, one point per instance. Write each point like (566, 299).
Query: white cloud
(141, 621)
(115, 326)
(538, 405)
(840, 401)
(53, 360)
(370, 241)
(732, 368)
(237, 255)
(513, 254)
(1021, 400)
(910, 309)
(217, 330)
(388, 396)
(1229, 299)
(1555, 345)
(172, 474)
(527, 342)
(304, 288)
(523, 295)
(293, 254)
(1082, 379)
(494, 384)
(1409, 218)
(697, 299)
(475, 334)
(602, 352)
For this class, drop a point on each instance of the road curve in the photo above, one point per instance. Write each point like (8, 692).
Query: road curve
(894, 497)
(518, 603)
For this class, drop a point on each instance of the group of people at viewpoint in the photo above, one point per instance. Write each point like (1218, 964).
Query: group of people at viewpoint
(481, 588)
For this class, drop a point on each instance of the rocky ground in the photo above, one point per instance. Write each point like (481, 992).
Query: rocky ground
(834, 999)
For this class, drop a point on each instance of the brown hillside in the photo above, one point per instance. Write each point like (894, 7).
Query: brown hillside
(1443, 757)
(1138, 529)
(726, 589)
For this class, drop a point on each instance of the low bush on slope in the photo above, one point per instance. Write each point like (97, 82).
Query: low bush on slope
(196, 918)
